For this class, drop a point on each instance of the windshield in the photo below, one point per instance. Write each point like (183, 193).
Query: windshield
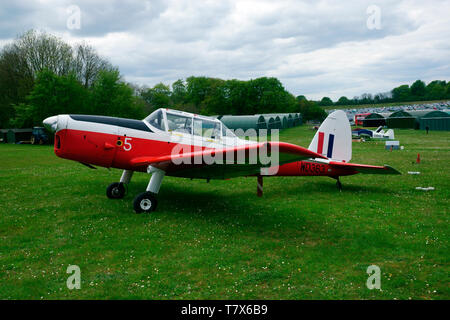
(156, 119)
(179, 123)
(206, 128)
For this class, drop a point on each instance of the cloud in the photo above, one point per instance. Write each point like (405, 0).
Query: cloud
(315, 48)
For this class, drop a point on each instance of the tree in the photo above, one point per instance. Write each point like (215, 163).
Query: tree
(311, 111)
(34, 52)
(88, 64)
(326, 102)
(113, 97)
(16, 81)
(366, 98)
(235, 92)
(418, 90)
(45, 51)
(343, 101)
(196, 90)
(436, 90)
(266, 95)
(382, 97)
(158, 96)
(52, 94)
(401, 93)
(178, 91)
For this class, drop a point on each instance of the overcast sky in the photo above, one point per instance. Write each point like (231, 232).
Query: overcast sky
(315, 48)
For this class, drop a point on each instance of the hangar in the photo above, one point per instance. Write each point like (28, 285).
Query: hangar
(435, 121)
(244, 122)
(402, 119)
(374, 120)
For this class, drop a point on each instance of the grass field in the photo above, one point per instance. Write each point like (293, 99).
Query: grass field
(303, 240)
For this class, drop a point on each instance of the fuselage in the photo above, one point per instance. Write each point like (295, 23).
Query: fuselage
(114, 142)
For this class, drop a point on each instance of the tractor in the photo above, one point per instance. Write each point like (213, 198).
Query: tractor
(39, 136)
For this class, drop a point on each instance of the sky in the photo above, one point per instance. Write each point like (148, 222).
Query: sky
(315, 48)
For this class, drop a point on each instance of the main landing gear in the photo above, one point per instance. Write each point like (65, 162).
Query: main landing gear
(144, 202)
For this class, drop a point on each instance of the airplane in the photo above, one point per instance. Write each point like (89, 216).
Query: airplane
(181, 144)
(378, 133)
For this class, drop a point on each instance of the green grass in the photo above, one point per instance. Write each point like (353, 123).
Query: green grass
(379, 105)
(217, 240)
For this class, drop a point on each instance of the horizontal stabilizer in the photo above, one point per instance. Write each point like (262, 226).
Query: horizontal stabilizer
(363, 168)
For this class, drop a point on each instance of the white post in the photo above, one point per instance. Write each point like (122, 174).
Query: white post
(126, 176)
(155, 180)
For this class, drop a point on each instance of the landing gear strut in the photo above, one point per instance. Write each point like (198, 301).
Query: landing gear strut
(146, 202)
(259, 186)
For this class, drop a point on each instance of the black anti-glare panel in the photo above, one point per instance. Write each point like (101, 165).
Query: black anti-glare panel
(120, 122)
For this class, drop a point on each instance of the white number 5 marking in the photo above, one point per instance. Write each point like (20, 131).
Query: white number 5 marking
(127, 144)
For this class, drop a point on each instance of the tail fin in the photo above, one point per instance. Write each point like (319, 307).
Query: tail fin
(390, 134)
(334, 138)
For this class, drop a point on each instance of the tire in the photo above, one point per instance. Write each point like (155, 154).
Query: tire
(145, 202)
(115, 190)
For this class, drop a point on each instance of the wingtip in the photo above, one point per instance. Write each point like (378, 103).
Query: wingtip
(392, 170)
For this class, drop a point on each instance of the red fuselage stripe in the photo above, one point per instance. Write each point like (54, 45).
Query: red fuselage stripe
(320, 143)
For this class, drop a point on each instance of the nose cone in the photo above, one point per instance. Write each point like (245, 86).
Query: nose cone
(51, 123)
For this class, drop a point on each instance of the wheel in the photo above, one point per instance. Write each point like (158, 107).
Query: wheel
(33, 140)
(145, 202)
(115, 190)
(41, 141)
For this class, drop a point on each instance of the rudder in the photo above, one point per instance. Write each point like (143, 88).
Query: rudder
(334, 138)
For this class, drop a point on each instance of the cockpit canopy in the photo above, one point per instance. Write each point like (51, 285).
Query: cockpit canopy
(178, 121)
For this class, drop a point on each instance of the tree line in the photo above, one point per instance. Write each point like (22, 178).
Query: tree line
(418, 91)
(41, 75)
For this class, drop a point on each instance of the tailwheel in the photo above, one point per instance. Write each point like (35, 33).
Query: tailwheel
(145, 202)
(115, 190)
(339, 184)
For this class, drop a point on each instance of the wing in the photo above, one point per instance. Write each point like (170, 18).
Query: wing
(363, 168)
(226, 162)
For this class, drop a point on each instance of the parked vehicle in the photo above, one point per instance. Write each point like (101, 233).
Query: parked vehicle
(39, 136)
